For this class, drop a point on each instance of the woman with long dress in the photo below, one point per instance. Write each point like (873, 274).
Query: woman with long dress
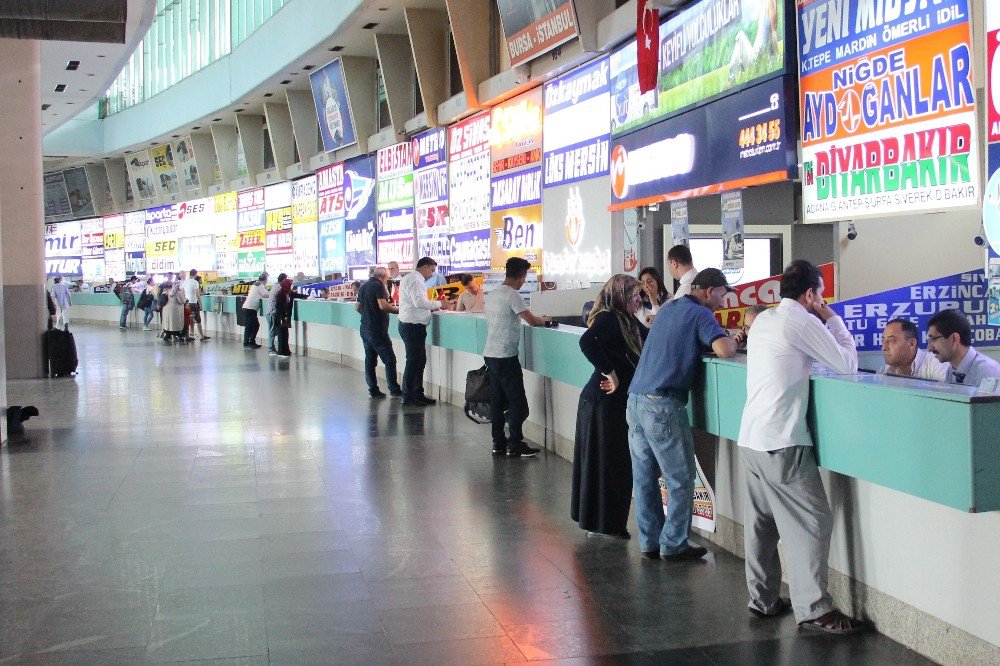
(173, 314)
(602, 466)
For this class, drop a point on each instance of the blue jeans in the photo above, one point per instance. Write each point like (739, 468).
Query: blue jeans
(148, 316)
(378, 346)
(123, 319)
(660, 441)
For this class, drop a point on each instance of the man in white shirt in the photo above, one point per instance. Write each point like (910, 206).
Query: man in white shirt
(415, 311)
(192, 291)
(903, 356)
(786, 496)
(63, 300)
(949, 338)
(680, 265)
(392, 285)
(251, 324)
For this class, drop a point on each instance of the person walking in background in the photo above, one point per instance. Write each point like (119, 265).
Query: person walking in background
(147, 299)
(251, 324)
(283, 316)
(193, 294)
(470, 300)
(128, 301)
(374, 305)
(415, 311)
(786, 499)
(64, 301)
(173, 314)
(654, 294)
(659, 433)
(602, 466)
(505, 309)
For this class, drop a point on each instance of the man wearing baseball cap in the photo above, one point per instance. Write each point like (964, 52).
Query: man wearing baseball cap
(659, 434)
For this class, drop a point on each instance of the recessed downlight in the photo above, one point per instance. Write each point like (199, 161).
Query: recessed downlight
(61, 87)
(73, 65)
(45, 107)
(336, 49)
(307, 68)
(268, 94)
(369, 26)
(285, 82)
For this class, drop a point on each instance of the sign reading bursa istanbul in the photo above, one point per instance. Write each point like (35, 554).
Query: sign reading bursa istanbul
(534, 27)
(888, 108)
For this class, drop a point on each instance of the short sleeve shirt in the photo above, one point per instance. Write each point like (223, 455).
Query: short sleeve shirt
(503, 308)
(682, 331)
(373, 318)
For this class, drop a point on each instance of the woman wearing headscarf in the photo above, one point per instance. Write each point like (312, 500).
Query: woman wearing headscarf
(283, 316)
(602, 466)
(173, 313)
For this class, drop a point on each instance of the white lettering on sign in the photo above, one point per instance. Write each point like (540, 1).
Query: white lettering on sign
(330, 177)
(572, 89)
(522, 187)
(394, 160)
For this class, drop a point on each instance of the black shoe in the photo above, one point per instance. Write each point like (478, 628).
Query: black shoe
(413, 402)
(499, 449)
(376, 394)
(689, 553)
(256, 346)
(521, 450)
(651, 554)
(396, 392)
(427, 401)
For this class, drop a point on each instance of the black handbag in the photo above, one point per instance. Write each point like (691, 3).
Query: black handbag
(477, 395)
(285, 321)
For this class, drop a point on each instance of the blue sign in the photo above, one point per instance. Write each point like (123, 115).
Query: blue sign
(866, 316)
(577, 124)
(737, 141)
(333, 106)
(430, 147)
(359, 207)
(316, 288)
(470, 251)
(331, 247)
(516, 190)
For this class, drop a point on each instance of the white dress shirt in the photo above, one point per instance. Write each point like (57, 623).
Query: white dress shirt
(781, 348)
(925, 366)
(414, 306)
(257, 293)
(684, 288)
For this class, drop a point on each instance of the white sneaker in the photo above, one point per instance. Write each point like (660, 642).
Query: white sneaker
(146, 328)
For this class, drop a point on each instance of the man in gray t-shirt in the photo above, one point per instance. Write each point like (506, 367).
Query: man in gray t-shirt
(504, 310)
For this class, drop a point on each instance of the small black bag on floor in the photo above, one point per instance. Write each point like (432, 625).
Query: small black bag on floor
(60, 352)
(477, 395)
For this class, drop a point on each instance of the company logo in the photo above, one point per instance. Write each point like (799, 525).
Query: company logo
(190, 209)
(647, 164)
(619, 162)
(575, 222)
(357, 193)
(415, 150)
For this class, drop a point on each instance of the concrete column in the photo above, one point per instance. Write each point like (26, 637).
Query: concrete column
(22, 237)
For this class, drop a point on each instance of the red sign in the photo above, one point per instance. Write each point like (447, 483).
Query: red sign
(548, 32)
(469, 137)
(765, 292)
(647, 43)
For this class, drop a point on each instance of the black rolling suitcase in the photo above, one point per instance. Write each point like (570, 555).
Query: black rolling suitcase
(60, 352)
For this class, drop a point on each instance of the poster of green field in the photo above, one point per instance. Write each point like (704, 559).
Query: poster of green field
(710, 49)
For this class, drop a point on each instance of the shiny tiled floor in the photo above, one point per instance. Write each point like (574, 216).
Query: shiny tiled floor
(203, 503)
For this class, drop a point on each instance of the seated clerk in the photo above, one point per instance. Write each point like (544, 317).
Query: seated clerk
(949, 338)
(903, 356)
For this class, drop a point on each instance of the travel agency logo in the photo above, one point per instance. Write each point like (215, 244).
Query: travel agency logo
(648, 164)
(357, 193)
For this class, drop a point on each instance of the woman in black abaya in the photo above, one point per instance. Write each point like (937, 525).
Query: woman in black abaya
(602, 467)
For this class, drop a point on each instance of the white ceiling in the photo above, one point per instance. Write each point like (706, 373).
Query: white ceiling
(99, 65)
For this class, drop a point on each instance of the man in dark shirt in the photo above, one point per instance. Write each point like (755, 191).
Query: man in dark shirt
(659, 433)
(375, 306)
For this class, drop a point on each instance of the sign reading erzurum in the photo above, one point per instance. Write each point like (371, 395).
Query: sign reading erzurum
(888, 108)
(534, 27)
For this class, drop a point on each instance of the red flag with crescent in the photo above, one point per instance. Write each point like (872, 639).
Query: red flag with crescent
(647, 41)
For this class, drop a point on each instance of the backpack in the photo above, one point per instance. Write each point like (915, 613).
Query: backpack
(161, 302)
(125, 296)
(145, 300)
(477, 395)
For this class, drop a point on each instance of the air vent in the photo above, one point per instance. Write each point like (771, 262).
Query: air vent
(369, 26)
(307, 68)
(45, 107)
(268, 94)
(215, 120)
(61, 87)
(195, 129)
(73, 65)
(286, 82)
(240, 110)
(336, 49)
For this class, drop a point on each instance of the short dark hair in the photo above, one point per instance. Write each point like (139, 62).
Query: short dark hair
(517, 268)
(282, 276)
(467, 279)
(263, 277)
(948, 322)
(798, 278)
(426, 261)
(908, 327)
(57, 280)
(681, 254)
(193, 272)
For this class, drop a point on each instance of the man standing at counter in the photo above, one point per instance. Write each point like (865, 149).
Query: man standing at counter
(659, 433)
(949, 338)
(903, 356)
(375, 306)
(392, 282)
(786, 496)
(414, 314)
(680, 265)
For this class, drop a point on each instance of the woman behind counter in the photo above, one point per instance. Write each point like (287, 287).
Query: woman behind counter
(602, 466)
(653, 295)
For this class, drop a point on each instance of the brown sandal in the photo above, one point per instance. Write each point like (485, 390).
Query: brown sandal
(833, 622)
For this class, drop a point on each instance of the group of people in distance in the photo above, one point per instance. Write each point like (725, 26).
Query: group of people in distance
(278, 314)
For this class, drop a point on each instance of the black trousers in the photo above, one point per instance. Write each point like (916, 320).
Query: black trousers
(281, 338)
(414, 340)
(507, 394)
(251, 325)
(378, 346)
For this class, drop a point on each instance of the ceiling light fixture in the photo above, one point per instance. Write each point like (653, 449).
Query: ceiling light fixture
(45, 107)
(61, 87)
(285, 82)
(73, 65)
(268, 94)
(308, 67)
(336, 49)
(369, 26)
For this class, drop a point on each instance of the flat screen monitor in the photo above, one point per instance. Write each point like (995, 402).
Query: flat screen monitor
(758, 261)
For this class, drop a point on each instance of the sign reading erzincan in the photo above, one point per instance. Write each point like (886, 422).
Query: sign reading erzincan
(888, 108)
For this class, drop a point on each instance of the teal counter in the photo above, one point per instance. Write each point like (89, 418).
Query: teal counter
(932, 441)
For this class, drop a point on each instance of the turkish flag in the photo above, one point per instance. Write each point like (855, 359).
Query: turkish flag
(647, 41)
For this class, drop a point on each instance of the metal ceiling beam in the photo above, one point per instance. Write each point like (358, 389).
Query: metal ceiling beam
(65, 31)
(99, 11)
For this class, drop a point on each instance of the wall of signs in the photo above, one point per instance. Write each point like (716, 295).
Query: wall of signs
(430, 196)
(394, 205)
(331, 214)
(469, 193)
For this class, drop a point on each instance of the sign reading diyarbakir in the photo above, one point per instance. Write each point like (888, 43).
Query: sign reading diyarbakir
(888, 108)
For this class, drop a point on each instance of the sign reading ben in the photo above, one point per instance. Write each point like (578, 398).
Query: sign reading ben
(888, 108)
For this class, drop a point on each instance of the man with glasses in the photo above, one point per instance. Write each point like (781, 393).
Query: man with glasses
(949, 338)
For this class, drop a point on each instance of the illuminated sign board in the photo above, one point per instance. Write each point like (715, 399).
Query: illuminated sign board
(359, 207)
(469, 193)
(516, 218)
(430, 195)
(888, 109)
(516, 132)
(734, 142)
(577, 234)
(577, 125)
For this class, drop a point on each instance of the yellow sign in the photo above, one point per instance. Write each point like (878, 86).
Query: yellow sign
(279, 219)
(516, 232)
(252, 240)
(114, 240)
(452, 290)
(161, 248)
(225, 203)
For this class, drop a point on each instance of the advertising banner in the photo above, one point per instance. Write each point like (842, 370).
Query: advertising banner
(469, 175)
(56, 195)
(278, 241)
(888, 109)
(516, 218)
(161, 240)
(135, 242)
(330, 192)
(630, 242)
(135, 263)
(331, 247)
(765, 292)
(430, 195)
(250, 210)
(470, 251)
(577, 124)
(63, 249)
(140, 174)
(81, 201)
(331, 211)
(866, 316)
(359, 208)
(114, 232)
(516, 132)
(249, 263)
(227, 236)
(305, 225)
(395, 237)
(92, 237)
(394, 174)
(732, 231)
(534, 27)
(576, 232)
(333, 106)
(94, 270)
(184, 163)
(711, 49)
(395, 192)
(163, 164)
(195, 217)
(680, 232)
(737, 141)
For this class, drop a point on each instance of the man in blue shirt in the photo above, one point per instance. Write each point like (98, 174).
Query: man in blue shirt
(949, 338)
(659, 434)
